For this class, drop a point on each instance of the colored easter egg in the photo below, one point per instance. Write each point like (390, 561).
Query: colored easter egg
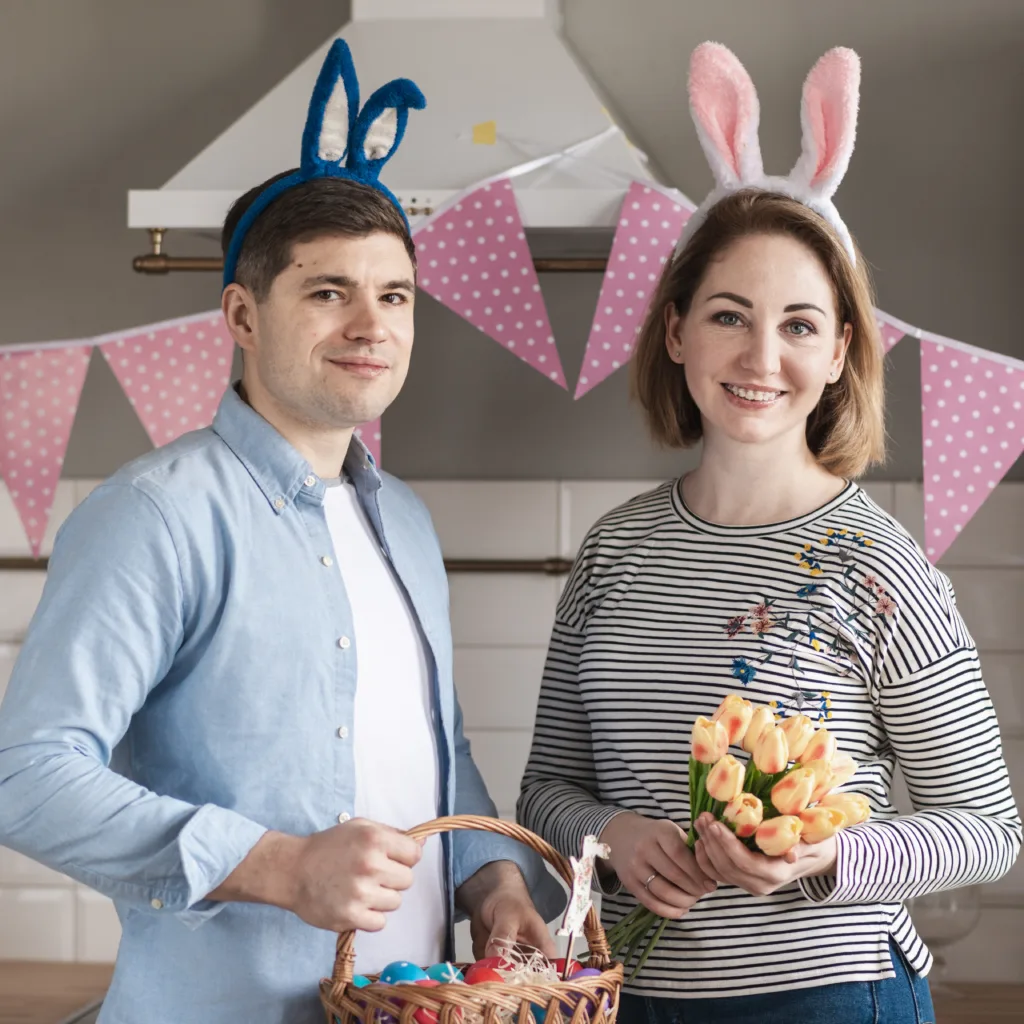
(360, 981)
(423, 1015)
(445, 973)
(574, 967)
(477, 975)
(491, 961)
(401, 971)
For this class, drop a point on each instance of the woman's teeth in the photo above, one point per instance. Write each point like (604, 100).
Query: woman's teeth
(752, 396)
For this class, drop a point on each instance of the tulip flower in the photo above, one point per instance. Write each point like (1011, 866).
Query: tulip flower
(822, 747)
(777, 836)
(820, 823)
(725, 780)
(710, 741)
(792, 793)
(798, 729)
(771, 755)
(744, 813)
(761, 719)
(853, 805)
(734, 713)
(824, 780)
(843, 769)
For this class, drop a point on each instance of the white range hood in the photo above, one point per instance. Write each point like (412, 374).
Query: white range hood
(476, 61)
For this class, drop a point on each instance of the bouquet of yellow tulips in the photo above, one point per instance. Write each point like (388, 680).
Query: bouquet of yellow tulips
(769, 803)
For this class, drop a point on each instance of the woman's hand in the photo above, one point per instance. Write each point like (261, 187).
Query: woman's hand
(644, 847)
(722, 856)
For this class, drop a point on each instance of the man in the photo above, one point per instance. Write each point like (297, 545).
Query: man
(237, 687)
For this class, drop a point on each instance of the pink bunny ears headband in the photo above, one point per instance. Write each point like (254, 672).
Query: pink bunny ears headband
(724, 106)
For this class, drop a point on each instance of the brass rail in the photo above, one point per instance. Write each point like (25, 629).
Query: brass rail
(161, 263)
(156, 261)
(534, 566)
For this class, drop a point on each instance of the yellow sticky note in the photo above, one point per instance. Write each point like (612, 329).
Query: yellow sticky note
(485, 133)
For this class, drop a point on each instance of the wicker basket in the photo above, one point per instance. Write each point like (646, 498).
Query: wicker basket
(591, 1000)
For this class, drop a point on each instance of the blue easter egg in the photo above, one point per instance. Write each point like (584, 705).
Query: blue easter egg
(401, 971)
(446, 973)
(539, 1012)
(360, 981)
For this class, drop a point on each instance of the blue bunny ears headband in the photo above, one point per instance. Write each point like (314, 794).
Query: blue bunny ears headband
(340, 140)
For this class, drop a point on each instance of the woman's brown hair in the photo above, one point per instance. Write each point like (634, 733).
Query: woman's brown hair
(846, 431)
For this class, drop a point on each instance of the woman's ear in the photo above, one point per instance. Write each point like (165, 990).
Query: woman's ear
(674, 333)
(842, 347)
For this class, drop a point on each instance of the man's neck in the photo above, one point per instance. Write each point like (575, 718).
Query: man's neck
(323, 449)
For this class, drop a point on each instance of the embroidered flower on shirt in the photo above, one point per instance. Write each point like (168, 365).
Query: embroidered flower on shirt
(761, 626)
(735, 625)
(811, 588)
(886, 606)
(808, 560)
(743, 670)
(816, 705)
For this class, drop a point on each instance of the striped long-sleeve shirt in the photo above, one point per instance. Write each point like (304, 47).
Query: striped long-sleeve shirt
(836, 615)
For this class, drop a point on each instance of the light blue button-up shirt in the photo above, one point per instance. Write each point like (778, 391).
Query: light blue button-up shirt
(181, 691)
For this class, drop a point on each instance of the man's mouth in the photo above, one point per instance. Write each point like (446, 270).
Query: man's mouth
(753, 394)
(360, 366)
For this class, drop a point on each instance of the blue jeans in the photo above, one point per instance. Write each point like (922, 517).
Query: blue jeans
(904, 999)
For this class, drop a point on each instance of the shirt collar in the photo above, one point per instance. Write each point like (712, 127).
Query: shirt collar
(275, 465)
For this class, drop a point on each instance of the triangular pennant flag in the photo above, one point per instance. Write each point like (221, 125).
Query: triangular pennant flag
(972, 406)
(369, 434)
(39, 392)
(650, 223)
(174, 373)
(889, 332)
(473, 257)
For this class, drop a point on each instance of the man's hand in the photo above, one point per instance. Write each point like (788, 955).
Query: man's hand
(721, 855)
(501, 911)
(644, 847)
(345, 877)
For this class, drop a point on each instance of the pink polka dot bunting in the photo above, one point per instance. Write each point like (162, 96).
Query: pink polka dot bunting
(369, 434)
(973, 431)
(174, 374)
(473, 257)
(39, 394)
(650, 223)
(890, 335)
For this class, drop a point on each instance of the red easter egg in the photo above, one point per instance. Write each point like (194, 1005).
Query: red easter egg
(423, 1015)
(574, 966)
(493, 962)
(477, 975)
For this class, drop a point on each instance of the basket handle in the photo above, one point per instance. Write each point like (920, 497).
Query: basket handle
(600, 953)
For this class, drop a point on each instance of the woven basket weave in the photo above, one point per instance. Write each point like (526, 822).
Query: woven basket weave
(591, 1000)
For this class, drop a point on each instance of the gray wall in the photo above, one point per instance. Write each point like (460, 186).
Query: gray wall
(99, 96)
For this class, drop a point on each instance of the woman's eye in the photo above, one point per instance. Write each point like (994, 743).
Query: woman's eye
(801, 329)
(728, 319)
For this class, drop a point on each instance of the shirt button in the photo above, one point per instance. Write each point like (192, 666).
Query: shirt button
(279, 503)
(342, 818)
(156, 904)
(327, 560)
(343, 732)
(344, 643)
(310, 481)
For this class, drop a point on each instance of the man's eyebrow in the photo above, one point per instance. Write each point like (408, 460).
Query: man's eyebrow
(338, 280)
(400, 284)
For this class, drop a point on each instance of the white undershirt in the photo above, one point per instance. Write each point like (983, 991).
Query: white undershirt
(393, 737)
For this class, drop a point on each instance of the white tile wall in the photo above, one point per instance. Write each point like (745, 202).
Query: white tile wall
(501, 625)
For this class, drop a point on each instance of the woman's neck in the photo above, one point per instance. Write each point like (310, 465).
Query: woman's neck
(754, 485)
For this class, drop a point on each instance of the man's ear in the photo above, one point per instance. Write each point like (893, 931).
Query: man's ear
(240, 314)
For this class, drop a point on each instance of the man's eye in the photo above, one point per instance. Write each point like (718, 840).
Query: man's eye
(394, 298)
(326, 295)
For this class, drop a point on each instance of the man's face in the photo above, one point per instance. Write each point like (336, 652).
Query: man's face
(331, 341)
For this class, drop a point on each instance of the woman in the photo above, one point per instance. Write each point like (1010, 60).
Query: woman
(767, 570)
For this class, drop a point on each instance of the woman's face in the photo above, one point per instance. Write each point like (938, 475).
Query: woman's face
(761, 340)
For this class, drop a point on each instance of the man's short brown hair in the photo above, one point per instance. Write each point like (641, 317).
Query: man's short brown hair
(313, 209)
(846, 432)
